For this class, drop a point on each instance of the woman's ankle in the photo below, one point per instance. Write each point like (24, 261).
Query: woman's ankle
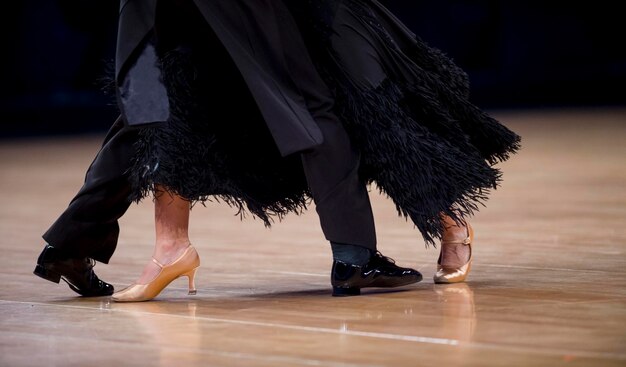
(454, 233)
(172, 243)
(169, 249)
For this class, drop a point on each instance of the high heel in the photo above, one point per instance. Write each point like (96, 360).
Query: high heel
(186, 265)
(455, 274)
(192, 285)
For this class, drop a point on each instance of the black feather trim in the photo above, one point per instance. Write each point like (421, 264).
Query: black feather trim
(215, 146)
(422, 142)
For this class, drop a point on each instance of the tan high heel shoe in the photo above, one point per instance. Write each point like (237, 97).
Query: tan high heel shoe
(185, 265)
(455, 274)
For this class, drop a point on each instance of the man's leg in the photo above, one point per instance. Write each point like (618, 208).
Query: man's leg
(343, 205)
(341, 198)
(88, 228)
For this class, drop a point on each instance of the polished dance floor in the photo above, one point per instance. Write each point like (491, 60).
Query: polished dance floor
(548, 285)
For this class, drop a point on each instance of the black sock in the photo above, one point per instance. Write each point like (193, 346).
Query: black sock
(350, 254)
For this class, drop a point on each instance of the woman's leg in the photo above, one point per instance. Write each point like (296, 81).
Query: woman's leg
(454, 256)
(171, 220)
(173, 255)
(455, 259)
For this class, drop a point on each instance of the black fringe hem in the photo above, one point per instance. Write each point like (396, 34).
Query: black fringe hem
(215, 146)
(422, 142)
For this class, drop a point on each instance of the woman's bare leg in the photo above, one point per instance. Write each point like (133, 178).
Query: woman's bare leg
(454, 256)
(171, 219)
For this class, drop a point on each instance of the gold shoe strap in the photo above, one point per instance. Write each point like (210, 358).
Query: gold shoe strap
(158, 263)
(466, 241)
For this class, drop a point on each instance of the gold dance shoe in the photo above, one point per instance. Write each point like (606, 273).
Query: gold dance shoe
(455, 274)
(185, 265)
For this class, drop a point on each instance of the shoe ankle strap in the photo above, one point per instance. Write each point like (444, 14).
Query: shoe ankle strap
(158, 263)
(465, 242)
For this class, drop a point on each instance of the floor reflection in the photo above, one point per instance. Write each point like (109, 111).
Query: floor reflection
(450, 320)
(458, 310)
(177, 339)
(442, 314)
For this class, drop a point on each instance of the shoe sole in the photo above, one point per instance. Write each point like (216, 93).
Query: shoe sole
(356, 291)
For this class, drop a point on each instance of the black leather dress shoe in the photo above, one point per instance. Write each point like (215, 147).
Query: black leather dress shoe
(52, 265)
(380, 271)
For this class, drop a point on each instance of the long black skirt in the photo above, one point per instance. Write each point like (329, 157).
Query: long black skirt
(216, 144)
(405, 105)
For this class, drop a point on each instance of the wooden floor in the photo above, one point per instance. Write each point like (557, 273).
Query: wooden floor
(547, 287)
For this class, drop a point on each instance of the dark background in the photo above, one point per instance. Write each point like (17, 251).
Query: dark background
(57, 55)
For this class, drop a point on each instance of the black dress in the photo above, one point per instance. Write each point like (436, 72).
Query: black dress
(236, 114)
(405, 105)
